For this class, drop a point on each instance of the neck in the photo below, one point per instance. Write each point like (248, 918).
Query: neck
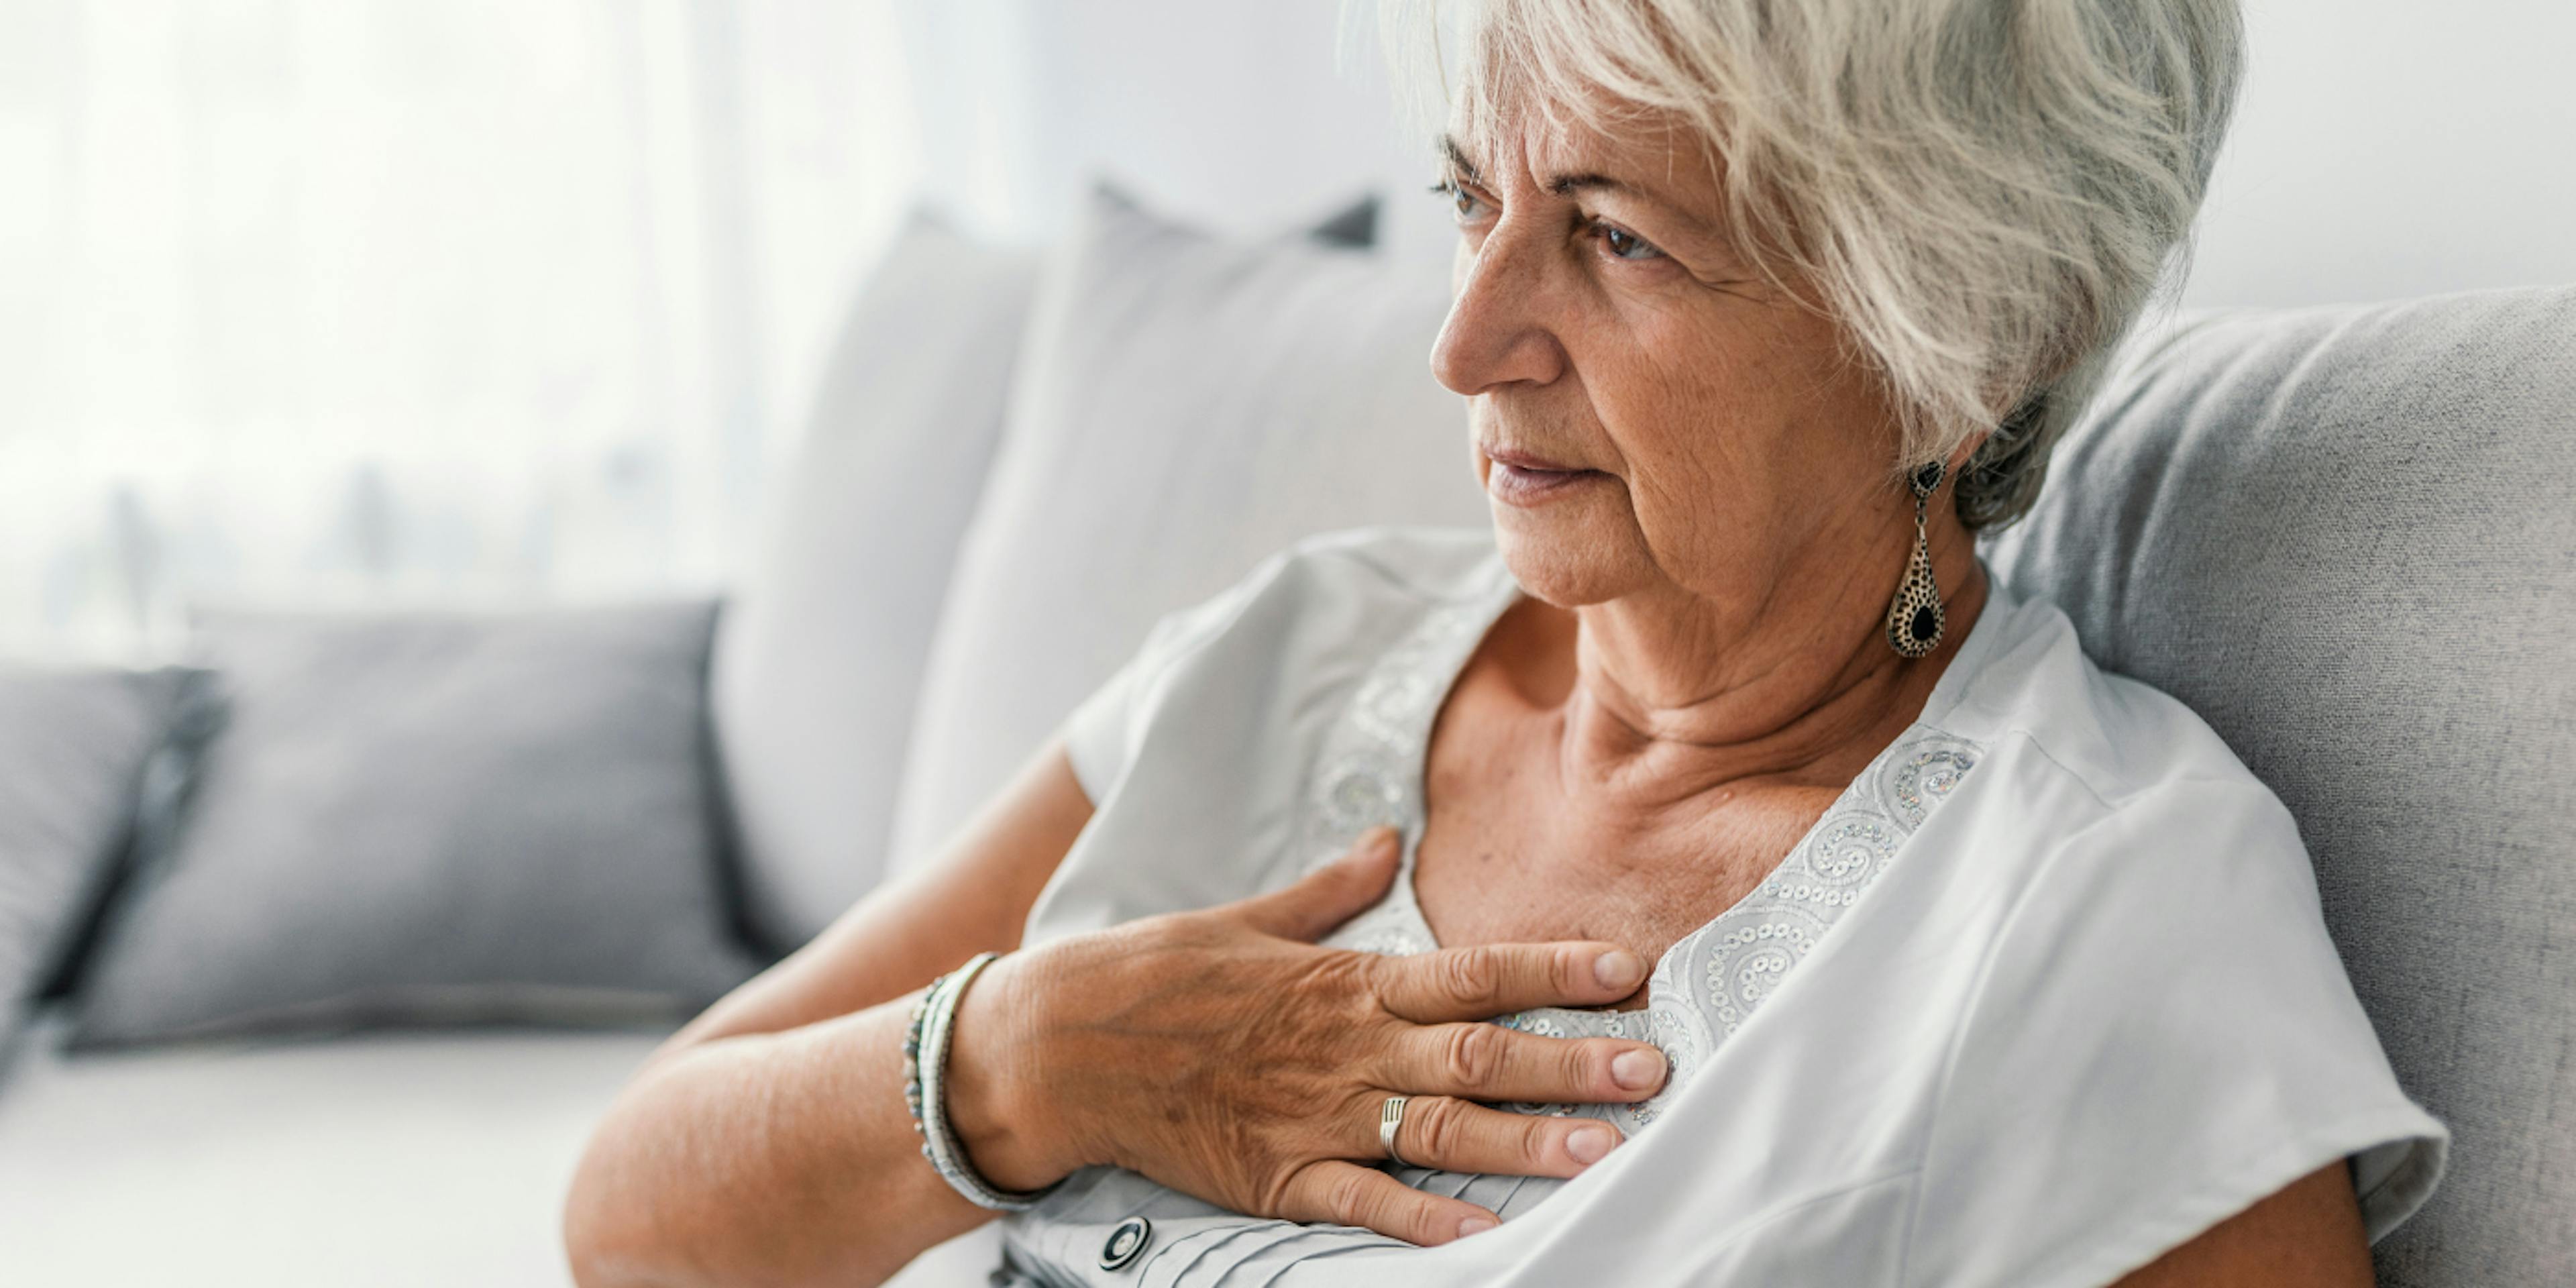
(1670, 705)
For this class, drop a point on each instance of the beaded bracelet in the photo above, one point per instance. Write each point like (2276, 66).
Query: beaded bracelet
(925, 1052)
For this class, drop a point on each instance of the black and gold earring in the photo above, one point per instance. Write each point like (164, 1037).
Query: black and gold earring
(1914, 619)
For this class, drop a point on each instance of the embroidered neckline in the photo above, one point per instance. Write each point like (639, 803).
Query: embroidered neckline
(1710, 982)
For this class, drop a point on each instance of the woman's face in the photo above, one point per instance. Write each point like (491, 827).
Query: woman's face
(1707, 433)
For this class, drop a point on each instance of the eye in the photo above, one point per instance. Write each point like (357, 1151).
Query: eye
(1623, 244)
(1463, 203)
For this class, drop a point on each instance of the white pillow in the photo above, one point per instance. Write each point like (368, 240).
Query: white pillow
(819, 655)
(1185, 406)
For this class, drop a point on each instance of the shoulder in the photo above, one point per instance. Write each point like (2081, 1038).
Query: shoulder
(2111, 786)
(2083, 776)
(2119, 743)
(2154, 986)
(2108, 806)
(2101, 804)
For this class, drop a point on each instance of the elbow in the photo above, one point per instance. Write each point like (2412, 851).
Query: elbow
(592, 1259)
(606, 1222)
(594, 1248)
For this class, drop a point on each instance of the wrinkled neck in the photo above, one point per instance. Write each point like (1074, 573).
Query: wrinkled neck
(1668, 705)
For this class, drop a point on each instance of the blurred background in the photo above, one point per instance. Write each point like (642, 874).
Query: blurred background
(515, 513)
(350, 301)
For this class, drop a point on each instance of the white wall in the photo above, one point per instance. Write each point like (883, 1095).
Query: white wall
(2387, 148)
(2382, 148)
(1232, 113)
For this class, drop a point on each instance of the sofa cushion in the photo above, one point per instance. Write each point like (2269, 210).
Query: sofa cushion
(819, 656)
(430, 819)
(1185, 406)
(2347, 537)
(393, 1160)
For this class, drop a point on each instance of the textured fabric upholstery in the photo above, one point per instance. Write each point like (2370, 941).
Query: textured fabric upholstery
(2347, 537)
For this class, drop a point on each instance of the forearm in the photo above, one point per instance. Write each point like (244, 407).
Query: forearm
(768, 1142)
(764, 1159)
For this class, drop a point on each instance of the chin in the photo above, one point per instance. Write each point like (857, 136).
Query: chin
(1569, 559)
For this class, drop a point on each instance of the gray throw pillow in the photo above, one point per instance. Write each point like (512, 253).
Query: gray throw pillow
(73, 745)
(2347, 537)
(430, 819)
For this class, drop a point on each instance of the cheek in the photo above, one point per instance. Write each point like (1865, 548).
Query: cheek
(1698, 425)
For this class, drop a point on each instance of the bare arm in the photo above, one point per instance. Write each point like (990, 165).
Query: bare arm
(2309, 1235)
(767, 1142)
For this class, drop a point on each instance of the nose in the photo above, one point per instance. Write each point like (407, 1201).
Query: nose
(1498, 331)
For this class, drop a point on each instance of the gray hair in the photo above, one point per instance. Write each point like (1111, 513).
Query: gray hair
(1984, 193)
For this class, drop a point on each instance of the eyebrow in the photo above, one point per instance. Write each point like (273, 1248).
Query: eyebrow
(1456, 156)
(1560, 185)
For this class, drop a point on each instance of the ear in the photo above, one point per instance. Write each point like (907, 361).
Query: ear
(1966, 452)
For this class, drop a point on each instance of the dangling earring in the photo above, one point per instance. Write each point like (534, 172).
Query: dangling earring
(1914, 619)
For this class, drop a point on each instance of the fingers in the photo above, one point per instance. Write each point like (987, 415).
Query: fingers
(1349, 1194)
(1461, 1136)
(1497, 979)
(1329, 895)
(1489, 1062)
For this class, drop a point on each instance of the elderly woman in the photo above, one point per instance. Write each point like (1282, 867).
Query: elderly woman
(1710, 875)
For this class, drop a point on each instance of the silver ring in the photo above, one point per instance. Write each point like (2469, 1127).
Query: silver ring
(1390, 1118)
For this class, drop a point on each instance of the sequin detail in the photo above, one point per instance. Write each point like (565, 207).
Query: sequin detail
(1712, 981)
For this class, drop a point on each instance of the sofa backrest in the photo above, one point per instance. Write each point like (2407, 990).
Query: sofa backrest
(2347, 537)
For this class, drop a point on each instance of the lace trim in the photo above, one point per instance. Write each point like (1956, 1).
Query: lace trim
(1711, 981)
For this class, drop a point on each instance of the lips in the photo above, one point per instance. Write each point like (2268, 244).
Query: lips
(1519, 478)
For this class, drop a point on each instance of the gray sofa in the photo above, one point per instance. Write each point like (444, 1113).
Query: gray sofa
(2347, 536)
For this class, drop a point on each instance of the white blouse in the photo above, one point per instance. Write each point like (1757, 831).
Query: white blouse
(2045, 993)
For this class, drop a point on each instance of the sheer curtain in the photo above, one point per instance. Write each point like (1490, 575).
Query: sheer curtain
(413, 301)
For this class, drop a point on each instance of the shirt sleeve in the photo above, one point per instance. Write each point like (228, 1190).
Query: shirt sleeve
(1101, 732)
(2164, 1036)
(1096, 734)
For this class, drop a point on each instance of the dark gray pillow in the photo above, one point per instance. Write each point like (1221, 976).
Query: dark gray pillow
(2347, 537)
(72, 749)
(430, 819)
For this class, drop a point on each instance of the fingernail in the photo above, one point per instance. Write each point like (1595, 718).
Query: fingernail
(1589, 1144)
(1637, 1070)
(1474, 1225)
(1379, 841)
(1618, 968)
